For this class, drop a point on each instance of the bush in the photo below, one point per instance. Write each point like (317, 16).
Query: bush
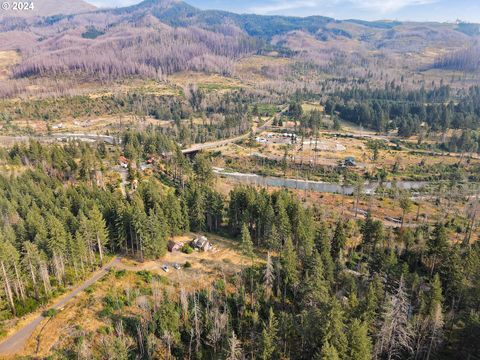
(113, 302)
(220, 285)
(187, 249)
(147, 276)
(187, 265)
(119, 274)
(50, 313)
(25, 307)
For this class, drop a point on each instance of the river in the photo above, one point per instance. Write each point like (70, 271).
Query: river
(318, 186)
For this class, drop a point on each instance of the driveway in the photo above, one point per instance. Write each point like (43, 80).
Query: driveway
(16, 341)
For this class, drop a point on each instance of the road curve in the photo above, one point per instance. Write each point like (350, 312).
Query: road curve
(16, 341)
(215, 144)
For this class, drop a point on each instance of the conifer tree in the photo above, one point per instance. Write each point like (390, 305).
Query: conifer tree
(338, 241)
(31, 262)
(360, 344)
(328, 352)
(85, 235)
(274, 242)
(269, 336)
(57, 245)
(437, 246)
(99, 229)
(435, 316)
(335, 333)
(282, 222)
(316, 289)
(268, 276)
(6, 273)
(395, 337)
(234, 351)
(247, 244)
(288, 260)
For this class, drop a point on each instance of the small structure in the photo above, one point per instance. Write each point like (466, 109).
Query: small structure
(123, 161)
(349, 161)
(145, 166)
(394, 220)
(201, 243)
(174, 246)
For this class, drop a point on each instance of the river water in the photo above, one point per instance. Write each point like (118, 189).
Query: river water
(318, 186)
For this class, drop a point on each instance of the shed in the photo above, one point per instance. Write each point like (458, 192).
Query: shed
(174, 246)
(201, 243)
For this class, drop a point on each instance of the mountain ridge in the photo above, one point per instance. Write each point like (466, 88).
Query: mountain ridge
(157, 38)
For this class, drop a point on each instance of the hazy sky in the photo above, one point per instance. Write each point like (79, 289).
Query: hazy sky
(435, 10)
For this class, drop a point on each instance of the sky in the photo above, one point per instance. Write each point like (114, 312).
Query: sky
(415, 10)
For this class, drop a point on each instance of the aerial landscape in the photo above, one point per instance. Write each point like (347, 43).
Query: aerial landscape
(259, 180)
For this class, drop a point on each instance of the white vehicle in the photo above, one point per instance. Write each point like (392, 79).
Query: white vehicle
(165, 268)
(177, 267)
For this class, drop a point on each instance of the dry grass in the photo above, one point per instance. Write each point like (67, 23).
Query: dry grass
(207, 82)
(255, 69)
(205, 266)
(91, 125)
(83, 311)
(330, 150)
(311, 106)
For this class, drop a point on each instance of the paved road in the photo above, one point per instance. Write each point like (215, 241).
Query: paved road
(10, 140)
(15, 342)
(216, 144)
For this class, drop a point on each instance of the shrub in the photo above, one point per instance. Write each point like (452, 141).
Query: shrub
(147, 276)
(187, 249)
(120, 273)
(187, 265)
(25, 307)
(50, 313)
(220, 285)
(113, 302)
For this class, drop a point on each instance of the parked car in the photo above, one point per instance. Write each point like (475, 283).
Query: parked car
(177, 267)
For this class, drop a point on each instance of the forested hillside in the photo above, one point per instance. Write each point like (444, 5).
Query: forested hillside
(178, 183)
(157, 38)
(392, 108)
(400, 293)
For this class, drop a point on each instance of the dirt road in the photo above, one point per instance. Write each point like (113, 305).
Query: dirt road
(15, 342)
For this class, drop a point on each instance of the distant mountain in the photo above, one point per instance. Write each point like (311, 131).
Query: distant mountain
(49, 8)
(180, 14)
(160, 37)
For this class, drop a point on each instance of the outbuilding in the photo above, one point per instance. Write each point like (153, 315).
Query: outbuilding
(174, 246)
(201, 243)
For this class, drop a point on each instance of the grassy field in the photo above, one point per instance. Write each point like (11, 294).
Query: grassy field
(207, 82)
